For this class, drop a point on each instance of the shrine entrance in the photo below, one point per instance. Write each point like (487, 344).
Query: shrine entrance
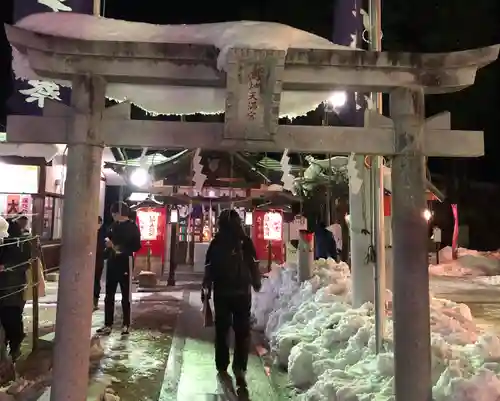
(255, 83)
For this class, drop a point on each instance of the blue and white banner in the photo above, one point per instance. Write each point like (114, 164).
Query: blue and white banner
(348, 31)
(28, 97)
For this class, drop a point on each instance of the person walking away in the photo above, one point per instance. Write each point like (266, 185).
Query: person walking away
(231, 269)
(324, 243)
(15, 257)
(122, 241)
(99, 261)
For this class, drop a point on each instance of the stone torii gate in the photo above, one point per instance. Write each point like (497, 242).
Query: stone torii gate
(251, 123)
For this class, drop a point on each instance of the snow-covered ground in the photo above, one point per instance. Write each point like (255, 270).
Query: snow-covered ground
(469, 263)
(328, 347)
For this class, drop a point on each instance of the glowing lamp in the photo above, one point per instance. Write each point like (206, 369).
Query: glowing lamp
(427, 214)
(139, 177)
(248, 218)
(174, 216)
(148, 224)
(338, 99)
(273, 226)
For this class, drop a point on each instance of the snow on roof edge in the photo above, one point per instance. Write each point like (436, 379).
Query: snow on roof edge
(178, 100)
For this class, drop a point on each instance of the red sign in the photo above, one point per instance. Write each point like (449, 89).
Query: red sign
(387, 205)
(13, 205)
(260, 242)
(152, 224)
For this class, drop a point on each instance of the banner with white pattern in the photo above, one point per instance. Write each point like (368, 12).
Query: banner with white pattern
(29, 97)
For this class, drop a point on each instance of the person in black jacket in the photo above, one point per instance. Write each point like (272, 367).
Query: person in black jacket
(231, 269)
(324, 243)
(123, 240)
(99, 261)
(15, 256)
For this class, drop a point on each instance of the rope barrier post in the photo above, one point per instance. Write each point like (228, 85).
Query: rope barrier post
(35, 295)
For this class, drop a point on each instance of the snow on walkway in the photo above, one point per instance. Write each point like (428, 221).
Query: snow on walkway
(191, 375)
(328, 347)
(131, 368)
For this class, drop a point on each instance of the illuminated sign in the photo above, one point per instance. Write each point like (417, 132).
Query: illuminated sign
(148, 225)
(273, 226)
(18, 179)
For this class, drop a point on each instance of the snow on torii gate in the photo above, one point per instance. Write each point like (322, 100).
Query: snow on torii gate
(251, 123)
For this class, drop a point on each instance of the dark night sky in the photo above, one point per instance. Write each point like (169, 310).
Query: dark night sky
(421, 25)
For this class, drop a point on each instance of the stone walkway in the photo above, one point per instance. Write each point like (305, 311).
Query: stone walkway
(190, 373)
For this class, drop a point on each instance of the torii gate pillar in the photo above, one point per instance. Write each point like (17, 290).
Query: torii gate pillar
(79, 233)
(411, 274)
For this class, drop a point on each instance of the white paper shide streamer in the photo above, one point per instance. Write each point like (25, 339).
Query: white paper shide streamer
(354, 173)
(287, 178)
(198, 177)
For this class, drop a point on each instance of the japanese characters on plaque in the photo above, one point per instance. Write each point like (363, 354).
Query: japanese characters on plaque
(254, 82)
(258, 227)
(273, 226)
(148, 225)
(25, 204)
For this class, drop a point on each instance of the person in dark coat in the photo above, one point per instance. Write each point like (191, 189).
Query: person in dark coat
(123, 239)
(23, 222)
(231, 270)
(15, 257)
(324, 243)
(99, 261)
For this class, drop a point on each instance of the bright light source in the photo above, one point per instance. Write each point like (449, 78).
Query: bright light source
(139, 177)
(174, 216)
(248, 218)
(427, 214)
(338, 99)
(211, 194)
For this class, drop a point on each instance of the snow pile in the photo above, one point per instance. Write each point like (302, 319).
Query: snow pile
(469, 263)
(328, 347)
(179, 100)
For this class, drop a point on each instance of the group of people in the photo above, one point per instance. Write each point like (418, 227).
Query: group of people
(15, 258)
(116, 245)
(231, 271)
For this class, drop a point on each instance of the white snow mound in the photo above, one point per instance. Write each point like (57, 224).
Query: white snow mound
(469, 263)
(328, 347)
(179, 100)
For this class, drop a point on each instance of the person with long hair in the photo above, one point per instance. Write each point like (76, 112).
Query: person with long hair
(231, 270)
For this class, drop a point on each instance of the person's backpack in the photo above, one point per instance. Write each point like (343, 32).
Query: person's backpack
(230, 267)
